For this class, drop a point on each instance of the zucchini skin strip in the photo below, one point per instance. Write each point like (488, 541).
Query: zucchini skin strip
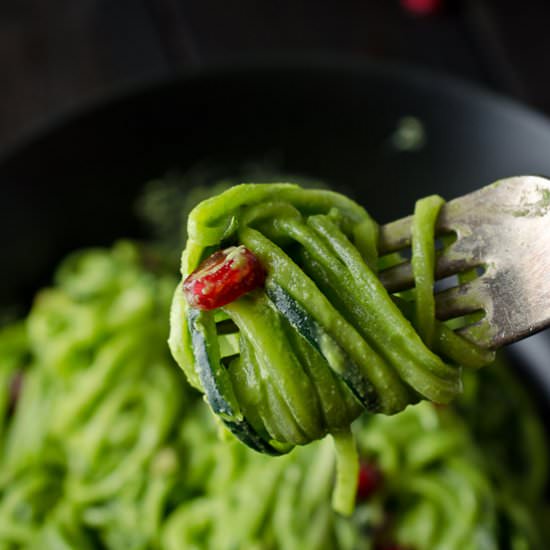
(319, 250)
(217, 385)
(337, 359)
(214, 379)
(290, 391)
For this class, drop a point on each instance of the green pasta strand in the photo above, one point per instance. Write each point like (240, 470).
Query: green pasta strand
(343, 499)
(426, 211)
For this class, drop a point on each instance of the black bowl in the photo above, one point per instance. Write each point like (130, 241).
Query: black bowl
(73, 183)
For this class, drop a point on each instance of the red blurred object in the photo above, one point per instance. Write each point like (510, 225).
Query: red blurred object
(368, 481)
(422, 7)
(223, 277)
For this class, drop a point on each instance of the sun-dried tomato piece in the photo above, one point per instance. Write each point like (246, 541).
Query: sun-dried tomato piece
(368, 480)
(223, 277)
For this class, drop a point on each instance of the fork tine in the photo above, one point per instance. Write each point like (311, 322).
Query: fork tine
(395, 236)
(504, 227)
(397, 278)
(400, 277)
(460, 300)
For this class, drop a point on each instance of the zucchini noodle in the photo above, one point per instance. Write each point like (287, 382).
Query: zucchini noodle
(106, 447)
(322, 341)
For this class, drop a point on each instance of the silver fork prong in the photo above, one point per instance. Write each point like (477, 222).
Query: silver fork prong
(460, 300)
(400, 277)
(395, 236)
(504, 227)
(397, 278)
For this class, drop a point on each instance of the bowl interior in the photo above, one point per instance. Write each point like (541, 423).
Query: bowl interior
(74, 184)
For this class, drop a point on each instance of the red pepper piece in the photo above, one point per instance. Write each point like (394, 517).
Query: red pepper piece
(368, 481)
(422, 7)
(223, 277)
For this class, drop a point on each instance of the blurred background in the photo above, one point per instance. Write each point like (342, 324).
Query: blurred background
(58, 54)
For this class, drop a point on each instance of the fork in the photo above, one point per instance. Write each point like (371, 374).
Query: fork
(503, 232)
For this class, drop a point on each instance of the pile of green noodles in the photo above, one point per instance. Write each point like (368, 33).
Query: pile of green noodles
(323, 341)
(107, 447)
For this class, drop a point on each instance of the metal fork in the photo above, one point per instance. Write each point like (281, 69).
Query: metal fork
(503, 230)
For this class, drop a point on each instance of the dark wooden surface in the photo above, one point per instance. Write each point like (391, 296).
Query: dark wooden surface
(58, 54)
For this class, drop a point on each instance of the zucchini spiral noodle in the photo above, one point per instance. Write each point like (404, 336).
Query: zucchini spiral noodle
(321, 341)
(107, 448)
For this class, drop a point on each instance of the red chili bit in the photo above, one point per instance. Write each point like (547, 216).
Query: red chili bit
(368, 481)
(223, 277)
